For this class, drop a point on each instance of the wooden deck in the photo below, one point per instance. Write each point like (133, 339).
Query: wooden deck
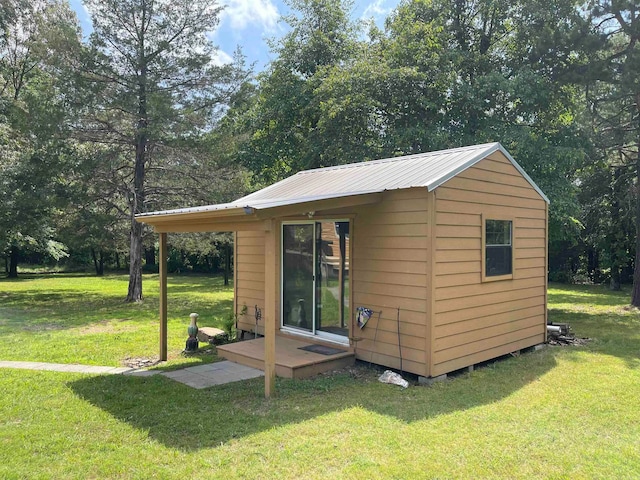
(291, 362)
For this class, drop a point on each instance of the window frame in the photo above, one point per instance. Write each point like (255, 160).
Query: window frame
(506, 276)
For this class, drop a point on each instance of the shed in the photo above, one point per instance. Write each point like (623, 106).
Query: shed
(446, 250)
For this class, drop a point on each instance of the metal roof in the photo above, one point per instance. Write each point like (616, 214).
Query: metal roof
(429, 170)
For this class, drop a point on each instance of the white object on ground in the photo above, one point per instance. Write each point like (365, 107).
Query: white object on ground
(392, 377)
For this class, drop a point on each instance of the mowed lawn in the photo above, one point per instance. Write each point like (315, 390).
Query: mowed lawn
(562, 412)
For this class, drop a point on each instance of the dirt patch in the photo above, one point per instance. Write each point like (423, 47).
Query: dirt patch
(567, 340)
(42, 327)
(105, 326)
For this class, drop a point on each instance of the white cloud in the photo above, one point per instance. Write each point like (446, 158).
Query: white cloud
(376, 10)
(242, 13)
(221, 58)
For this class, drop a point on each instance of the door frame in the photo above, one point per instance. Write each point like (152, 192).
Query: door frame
(319, 334)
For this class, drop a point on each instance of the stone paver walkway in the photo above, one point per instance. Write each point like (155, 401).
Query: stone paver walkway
(201, 376)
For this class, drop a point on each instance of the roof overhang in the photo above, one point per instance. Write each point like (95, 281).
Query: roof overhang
(231, 217)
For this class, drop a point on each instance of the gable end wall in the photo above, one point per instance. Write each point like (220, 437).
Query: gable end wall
(475, 321)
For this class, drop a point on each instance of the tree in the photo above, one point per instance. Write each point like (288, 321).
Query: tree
(285, 135)
(613, 96)
(33, 117)
(151, 72)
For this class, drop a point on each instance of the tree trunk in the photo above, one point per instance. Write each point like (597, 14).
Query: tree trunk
(136, 202)
(635, 294)
(98, 262)
(615, 239)
(117, 260)
(13, 262)
(227, 263)
(150, 255)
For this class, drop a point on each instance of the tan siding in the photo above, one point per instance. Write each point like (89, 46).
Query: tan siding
(475, 321)
(249, 277)
(390, 255)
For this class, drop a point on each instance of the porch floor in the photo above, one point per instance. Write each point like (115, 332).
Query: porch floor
(291, 362)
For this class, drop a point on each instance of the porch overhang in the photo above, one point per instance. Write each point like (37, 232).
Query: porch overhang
(233, 217)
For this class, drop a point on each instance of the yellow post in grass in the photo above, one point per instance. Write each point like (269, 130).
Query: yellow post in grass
(270, 313)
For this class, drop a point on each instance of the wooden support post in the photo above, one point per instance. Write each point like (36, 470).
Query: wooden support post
(162, 261)
(270, 313)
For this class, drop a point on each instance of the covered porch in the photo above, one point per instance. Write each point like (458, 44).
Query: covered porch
(274, 353)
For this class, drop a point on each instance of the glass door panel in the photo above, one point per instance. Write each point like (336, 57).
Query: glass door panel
(297, 276)
(332, 278)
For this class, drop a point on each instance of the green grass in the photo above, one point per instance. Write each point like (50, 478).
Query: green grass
(74, 318)
(562, 412)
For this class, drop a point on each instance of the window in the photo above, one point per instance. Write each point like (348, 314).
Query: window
(498, 245)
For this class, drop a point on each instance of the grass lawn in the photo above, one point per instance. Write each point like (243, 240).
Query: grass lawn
(562, 412)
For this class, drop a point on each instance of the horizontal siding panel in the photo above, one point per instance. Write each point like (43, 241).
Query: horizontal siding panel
(486, 288)
(486, 187)
(413, 194)
(471, 255)
(529, 253)
(250, 268)
(498, 163)
(250, 297)
(531, 223)
(250, 233)
(398, 291)
(457, 205)
(461, 362)
(497, 330)
(391, 338)
(458, 280)
(472, 302)
(388, 302)
(530, 242)
(458, 267)
(487, 344)
(462, 231)
(403, 230)
(539, 272)
(444, 218)
(529, 232)
(393, 206)
(482, 198)
(246, 284)
(391, 350)
(486, 310)
(253, 259)
(365, 253)
(251, 250)
(411, 323)
(408, 243)
(250, 241)
(398, 218)
(386, 278)
(418, 368)
(524, 263)
(477, 323)
(458, 243)
(419, 267)
(499, 178)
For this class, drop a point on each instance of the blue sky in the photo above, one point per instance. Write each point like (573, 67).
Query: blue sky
(249, 23)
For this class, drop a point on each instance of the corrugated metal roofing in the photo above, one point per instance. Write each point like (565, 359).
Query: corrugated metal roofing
(429, 170)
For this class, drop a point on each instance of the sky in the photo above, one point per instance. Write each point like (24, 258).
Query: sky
(250, 23)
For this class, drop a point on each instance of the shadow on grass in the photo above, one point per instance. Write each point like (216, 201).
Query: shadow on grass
(188, 419)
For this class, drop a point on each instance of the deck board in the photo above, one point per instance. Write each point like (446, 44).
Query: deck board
(291, 362)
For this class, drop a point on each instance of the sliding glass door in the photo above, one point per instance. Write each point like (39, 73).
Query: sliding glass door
(315, 278)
